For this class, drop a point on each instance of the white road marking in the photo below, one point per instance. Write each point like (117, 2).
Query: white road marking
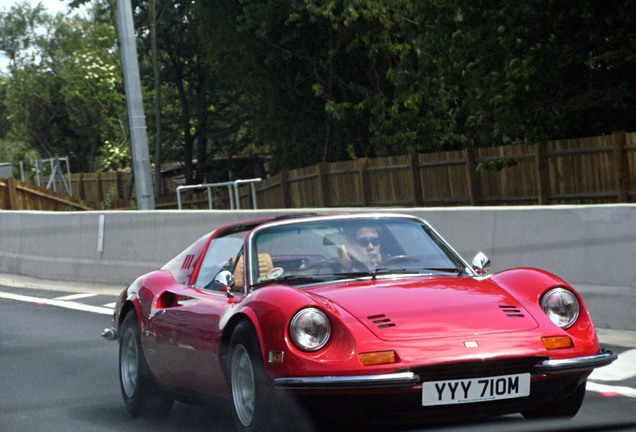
(110, 305)
(75, 296)
(58, 303)
(623, 368)
(604, 388)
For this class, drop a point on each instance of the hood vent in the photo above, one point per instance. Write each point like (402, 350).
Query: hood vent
(381, 321)
(512, 311)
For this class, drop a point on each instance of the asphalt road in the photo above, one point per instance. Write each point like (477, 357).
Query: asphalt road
(58, 374)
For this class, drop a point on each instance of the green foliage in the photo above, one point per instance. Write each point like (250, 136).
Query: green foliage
(330, 80)
(64, 87)
(319, 80)
(16, 152)
(114, 156)
(498, 164)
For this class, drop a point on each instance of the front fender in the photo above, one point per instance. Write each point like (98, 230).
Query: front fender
(270, 311)
(529, 285)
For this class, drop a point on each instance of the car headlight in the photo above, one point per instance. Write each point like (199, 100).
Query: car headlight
(561, 306)
(310, 329)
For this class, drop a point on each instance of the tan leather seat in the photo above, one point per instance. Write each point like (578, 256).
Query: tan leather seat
(265, 264)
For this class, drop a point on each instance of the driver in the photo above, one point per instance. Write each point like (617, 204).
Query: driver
(366, 249)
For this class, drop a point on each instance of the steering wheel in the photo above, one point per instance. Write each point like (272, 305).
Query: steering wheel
(399, 259)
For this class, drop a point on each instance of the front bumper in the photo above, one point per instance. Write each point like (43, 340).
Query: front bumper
(577, 364)
(410, 379)
(395, 380)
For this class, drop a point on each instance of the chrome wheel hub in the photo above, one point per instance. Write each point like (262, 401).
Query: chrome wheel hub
(243, 385)
(129, 363)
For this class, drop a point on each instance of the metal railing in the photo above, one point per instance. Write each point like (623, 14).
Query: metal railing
(233, 191)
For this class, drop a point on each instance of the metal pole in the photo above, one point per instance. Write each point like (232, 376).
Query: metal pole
(52, 178)
(230, 192)
(136, 117)
(179, 196)
(254, 204)
(38, 171)
(209, 197)
(237, 196)
(69, 187)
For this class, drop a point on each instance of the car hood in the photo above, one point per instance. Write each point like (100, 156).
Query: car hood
(428, 308)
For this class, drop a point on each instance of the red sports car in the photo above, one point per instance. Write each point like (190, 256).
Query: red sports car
(374, 311)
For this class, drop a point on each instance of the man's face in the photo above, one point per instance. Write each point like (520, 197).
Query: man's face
(368, 239)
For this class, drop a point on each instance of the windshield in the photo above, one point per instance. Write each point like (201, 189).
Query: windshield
(338, 248)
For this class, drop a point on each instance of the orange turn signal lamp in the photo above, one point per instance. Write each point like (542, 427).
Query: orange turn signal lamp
(378, 358)
(276, 357)
(557, 342)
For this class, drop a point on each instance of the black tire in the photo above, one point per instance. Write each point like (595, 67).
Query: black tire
(141, 395)
(566, 407)
(251, 388)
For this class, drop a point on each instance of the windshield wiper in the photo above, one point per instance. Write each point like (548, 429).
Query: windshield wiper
(455, 270)
(373, 273)
(399, 270)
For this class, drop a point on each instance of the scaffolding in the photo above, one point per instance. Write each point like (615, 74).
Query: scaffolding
(57, 179)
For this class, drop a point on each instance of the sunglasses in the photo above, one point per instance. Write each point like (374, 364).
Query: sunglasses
(366, 240)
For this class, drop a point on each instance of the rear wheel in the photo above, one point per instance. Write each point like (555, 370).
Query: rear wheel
(140, 394)
(566, 407)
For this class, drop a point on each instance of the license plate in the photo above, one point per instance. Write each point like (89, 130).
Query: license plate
(475, 389)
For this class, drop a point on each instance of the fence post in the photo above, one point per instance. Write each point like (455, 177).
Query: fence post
(119, 185)
(418, 197)
(543, 174)
(323, 181)
(99, 188)
(365, 182)
(474, 187)
(81, 194)
(621, 166)
(284, 189)
(13, 194)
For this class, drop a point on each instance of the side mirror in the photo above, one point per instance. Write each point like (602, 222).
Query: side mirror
(481, 263)
(224, 281)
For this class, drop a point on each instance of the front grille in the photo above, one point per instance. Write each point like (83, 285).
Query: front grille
(476, 369)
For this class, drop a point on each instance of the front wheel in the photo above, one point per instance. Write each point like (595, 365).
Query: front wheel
(566, 407)
(251, 388)
(258, 406)
(140, 394)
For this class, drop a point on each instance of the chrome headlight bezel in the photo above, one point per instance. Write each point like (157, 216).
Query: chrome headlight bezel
(310, 329)
(561, 306)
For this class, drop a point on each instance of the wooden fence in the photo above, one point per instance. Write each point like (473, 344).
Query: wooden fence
(577, 171)
(15, 195)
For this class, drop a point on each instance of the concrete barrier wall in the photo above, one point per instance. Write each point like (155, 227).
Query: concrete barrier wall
(589, 245)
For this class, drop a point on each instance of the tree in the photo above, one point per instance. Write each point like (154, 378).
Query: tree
(358, 78)
(267, 72)
(309, 81)
(64, 87)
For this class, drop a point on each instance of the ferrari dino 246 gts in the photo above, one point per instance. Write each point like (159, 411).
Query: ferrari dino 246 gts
(374, 311)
